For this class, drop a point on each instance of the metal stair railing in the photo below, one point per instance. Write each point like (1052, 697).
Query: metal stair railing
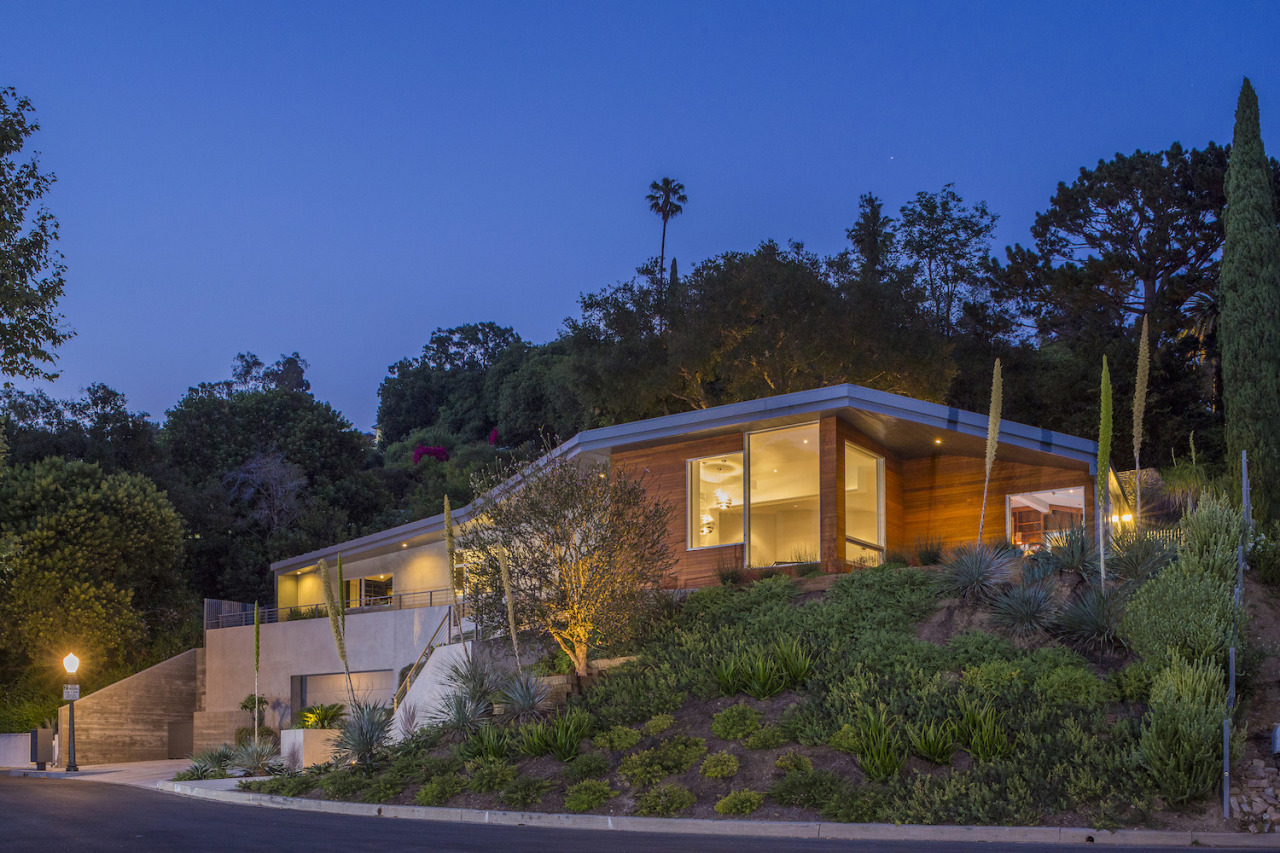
(447, 623)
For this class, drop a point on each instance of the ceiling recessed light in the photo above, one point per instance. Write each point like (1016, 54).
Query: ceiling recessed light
(404, 544)
(937, 441)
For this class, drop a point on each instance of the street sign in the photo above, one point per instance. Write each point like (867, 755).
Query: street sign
(71, 692)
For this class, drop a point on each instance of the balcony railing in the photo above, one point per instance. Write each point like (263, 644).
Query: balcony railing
(235, 614)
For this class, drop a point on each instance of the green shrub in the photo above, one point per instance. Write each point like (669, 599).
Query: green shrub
(1183, 612)
(384, 788)
(343, 785)
(664, 800)
(854, 804)
(650, 766)
(1072, 686)
(933, 741)
(847, 739)
(1181, 743)
(658, 724)
(321, 716)
(523, 792)
(590, 765)
(616, 739)
(973, 648)
(439, 790)
(740, 802)
(1133, 682)
(765, 737)
(734, 722)
(1264, 554)
(995, 679)
(1024, 609)
(587, 795)
(976, 571)
(808, 788)
(719, 765)
(283, 785)
(792, 760)
(488, 774)
(1091, 619)
(1210, 536)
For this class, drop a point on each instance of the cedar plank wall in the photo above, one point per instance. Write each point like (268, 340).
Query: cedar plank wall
(665, 476)
(942, 494)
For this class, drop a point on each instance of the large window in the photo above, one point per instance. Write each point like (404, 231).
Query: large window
(715, 501)
(783, 496)
(863, 507)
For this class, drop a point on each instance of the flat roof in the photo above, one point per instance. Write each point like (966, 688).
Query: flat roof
(903, 424)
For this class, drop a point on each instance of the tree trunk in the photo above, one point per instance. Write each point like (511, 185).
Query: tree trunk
(662, 254)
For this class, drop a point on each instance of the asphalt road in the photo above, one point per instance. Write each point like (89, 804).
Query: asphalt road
(61, 815)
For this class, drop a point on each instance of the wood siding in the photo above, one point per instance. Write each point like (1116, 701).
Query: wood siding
(666, 476)
(942, 495)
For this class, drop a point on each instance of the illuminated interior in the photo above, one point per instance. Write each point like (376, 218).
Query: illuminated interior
(863, 507)
(715, 501)
(1034, 515)
(783, 496)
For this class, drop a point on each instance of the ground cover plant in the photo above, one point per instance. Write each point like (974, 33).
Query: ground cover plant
(872, 718)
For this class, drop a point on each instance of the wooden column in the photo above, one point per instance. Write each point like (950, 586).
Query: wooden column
(831, 548)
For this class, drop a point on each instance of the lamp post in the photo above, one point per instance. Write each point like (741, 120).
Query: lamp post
(72, 692)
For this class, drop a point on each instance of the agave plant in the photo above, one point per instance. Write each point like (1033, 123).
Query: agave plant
(977, 570)
(364, 734)
(1023, 609)
(476, 677)
(524, 695)
(211, 764)
(259, 757)
(1092, 618)
(1073, 550)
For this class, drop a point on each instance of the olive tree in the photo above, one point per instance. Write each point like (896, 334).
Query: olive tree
(585, 546)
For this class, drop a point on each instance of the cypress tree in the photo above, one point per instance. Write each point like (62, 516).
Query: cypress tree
(1250, 306)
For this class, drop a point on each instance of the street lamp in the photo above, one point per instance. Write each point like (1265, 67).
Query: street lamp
(72, 692)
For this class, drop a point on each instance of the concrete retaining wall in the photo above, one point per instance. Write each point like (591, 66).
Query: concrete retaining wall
(129, 720)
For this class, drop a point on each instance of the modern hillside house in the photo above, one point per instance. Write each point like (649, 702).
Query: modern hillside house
(838, 476)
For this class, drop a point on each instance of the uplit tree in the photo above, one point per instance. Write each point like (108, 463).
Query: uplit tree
(585, 547)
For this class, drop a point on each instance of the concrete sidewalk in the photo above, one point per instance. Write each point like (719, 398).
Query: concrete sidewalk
(140, 774)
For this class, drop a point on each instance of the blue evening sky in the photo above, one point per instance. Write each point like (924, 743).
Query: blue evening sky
(340, 179)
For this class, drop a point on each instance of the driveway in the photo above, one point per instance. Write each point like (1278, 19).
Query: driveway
(58, 815)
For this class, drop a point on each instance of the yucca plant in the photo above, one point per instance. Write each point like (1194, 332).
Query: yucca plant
(212, 763)
(488, 741)
(977, 570)
(1072, 550)
(258, 757)
(795, 662)
(524, 695)
(1023, 609)
(728, 674)
(476, 677)
(458, 714)
(933, 741)
(1092, 617)
(568, 729)
(363, 735)
(761, 677)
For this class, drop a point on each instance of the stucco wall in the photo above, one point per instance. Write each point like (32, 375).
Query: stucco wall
(419, 568)
(384, 640)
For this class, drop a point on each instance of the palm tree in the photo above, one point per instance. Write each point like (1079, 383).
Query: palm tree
(666, 198)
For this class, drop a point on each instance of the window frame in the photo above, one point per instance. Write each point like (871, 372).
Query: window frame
(881, 509)
(689, 501)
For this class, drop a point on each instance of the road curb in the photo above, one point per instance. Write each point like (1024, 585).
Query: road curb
(758, 828)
